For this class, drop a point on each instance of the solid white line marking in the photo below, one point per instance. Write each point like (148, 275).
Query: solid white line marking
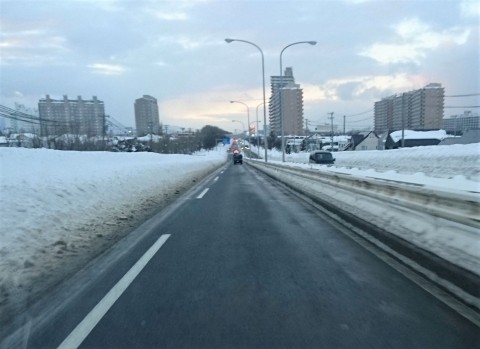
(83, 329)
(202, 194)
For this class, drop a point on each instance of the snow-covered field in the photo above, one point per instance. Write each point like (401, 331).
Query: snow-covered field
(59, 209)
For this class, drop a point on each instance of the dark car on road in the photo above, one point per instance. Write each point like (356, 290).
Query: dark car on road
(321, 157)
(237, 159)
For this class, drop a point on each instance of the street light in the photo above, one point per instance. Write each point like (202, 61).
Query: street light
(280, 91)
(243, 125)
(263, 84)
(248, 116)
(265, 136)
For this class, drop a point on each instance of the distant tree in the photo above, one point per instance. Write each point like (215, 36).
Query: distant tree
(210, 136)
(274, 141)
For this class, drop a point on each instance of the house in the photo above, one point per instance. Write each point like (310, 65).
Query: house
(24, 140)
(369, 142)
(3, 141)
(414, 138)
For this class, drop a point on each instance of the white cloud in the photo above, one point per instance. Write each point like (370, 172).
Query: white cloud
(160, 63)
(171, 16)
(413, 40)
(30, 46)
(212, 106)
(470, 8)
(360, 85)
(188, 43)
(107, 69)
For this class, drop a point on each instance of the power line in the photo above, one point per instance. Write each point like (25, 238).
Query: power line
(365, 112)
(367, 119)
(19, 116)
(466, 95)
(464, 107)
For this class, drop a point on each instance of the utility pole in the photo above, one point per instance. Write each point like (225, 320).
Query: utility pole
(331, 118)
(104, 130)
(344, 117)
(150, 125)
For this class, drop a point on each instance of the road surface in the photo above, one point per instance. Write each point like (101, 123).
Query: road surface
(241, 263)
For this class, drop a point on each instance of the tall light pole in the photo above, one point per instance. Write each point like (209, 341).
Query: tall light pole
(265, 136)
(331, 144)
(263, 84)
(248, 117)
(280, 92)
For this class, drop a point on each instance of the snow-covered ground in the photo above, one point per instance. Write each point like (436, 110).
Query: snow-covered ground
(58, 208)
(449, 167)
(457, 162)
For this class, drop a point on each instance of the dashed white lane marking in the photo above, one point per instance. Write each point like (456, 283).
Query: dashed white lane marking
(83, 329)
(202, 194)
(216, 179)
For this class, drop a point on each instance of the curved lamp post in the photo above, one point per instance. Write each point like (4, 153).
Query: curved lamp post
(248, 117)
(263, 83)
(243, 125)
(280, 92)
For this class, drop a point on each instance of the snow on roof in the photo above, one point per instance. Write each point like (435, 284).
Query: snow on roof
(409, 134)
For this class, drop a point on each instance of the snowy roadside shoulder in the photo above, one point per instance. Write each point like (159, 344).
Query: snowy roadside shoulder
(60, 209)
(439, 161)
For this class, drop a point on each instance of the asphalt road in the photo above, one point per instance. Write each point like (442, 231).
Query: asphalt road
(245, 265)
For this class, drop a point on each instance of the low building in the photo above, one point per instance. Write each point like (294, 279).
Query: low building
(414, 138)
(469, 137)
(458, 124)
(369, 142)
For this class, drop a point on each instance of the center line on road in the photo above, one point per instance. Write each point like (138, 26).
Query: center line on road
(83, 329)
(202, 194)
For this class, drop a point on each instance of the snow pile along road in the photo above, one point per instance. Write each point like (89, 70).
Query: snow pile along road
(442, 161)
(59, 209)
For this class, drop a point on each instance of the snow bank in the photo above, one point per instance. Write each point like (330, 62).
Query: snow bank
(441, 161)
(58, 204)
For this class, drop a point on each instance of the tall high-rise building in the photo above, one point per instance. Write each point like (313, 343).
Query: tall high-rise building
(288, 96)
(416, 110)
(71, 116)
(147, 120)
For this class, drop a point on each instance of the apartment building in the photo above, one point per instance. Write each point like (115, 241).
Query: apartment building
(71, 116)
(147, 119)
(286, 101)
(421, 109)
(462, 122)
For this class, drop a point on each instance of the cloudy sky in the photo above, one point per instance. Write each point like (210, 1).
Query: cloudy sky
(175, 51)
